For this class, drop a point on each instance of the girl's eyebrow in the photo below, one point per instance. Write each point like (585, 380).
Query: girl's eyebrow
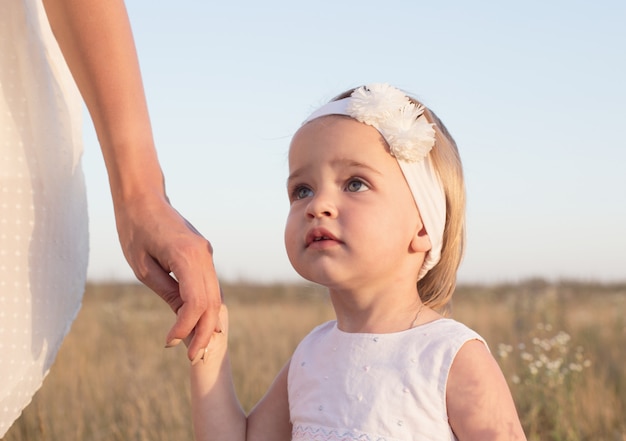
(350, 163)
(295, 175)
(345, 163)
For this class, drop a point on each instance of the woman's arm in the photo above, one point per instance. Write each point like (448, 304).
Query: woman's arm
(217, 414)
(480, 406)
(97, 42)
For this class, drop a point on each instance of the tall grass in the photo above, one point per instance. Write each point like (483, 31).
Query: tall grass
(561, 346)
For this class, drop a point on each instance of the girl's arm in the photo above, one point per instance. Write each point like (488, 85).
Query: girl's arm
(480, 405)
(269, 420)
(217, 414)
(97, 42)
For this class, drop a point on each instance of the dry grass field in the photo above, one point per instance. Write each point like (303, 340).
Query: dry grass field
(561, 346)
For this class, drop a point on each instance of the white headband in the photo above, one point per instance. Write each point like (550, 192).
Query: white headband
(410, 138)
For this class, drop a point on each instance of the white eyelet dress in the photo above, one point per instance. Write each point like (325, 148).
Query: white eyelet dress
(374, 387)
(43, 211)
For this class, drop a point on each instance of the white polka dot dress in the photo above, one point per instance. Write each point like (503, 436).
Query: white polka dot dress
(43, 212)
(374, 387)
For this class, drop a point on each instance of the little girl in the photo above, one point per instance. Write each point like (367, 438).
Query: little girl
(377, 216)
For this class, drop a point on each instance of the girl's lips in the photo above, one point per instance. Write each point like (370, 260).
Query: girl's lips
(319, 236)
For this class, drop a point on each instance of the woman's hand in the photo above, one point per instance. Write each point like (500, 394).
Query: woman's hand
(172, 258)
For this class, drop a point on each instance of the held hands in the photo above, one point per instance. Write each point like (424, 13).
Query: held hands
(216, 351)
(172, 258)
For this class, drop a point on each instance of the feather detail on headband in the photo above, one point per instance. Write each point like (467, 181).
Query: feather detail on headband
(401, 122)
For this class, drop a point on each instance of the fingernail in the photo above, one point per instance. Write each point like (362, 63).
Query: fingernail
(198, 357)
(173, 342)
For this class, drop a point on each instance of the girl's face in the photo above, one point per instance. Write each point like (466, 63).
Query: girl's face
(353, 221)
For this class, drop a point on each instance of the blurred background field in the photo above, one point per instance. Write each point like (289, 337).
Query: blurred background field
(562, 347)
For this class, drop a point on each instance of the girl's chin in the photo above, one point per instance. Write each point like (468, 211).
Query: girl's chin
(321, 276)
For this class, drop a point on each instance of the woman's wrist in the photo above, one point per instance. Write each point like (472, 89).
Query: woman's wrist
(134, 175)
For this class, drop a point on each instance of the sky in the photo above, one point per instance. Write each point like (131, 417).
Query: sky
(533, 93)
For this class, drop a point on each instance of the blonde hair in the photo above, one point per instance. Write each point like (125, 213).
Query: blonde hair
(437, 286)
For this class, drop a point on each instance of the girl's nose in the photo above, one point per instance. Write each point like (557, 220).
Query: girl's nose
(321, 205)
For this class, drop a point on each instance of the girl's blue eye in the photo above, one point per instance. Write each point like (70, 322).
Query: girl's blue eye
(356, 185)
(302, 192)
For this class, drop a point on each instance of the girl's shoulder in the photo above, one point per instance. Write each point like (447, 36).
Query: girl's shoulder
(478, 399)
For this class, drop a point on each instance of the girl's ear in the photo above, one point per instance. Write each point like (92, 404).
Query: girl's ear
(421, 241)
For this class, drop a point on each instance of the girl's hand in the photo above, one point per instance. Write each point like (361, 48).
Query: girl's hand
(216, 353)
(172, 258)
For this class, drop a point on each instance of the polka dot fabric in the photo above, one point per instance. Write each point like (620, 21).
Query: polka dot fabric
(43, 212)
(374, 387)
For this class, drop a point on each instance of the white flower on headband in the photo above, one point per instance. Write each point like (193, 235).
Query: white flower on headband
(409, 135)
